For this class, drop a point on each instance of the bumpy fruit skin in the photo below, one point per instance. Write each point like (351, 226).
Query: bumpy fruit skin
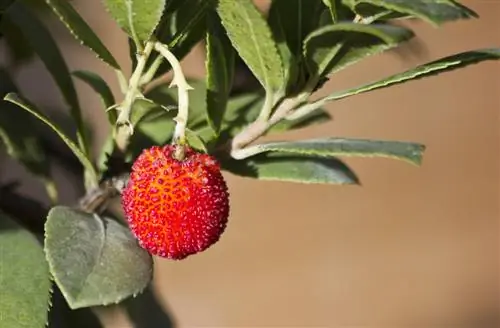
(176, 208)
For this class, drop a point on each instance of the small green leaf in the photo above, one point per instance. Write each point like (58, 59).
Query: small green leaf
(145, 109)
(185, 26)
(334, 47)
(81, 30)
(138, 18)
(195, 141)
(431, 11)
(94, 261)
(22, 140)
(24, 104)
(45, 46)
(329, 147)
(444, 64)
(24, 278)
(251, 37)
(219, 72)
(100, 86)
(290, 168)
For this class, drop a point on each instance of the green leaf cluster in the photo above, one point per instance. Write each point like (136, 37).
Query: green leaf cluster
(291, 51)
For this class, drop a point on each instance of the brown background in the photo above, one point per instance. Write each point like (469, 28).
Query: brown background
(411, 246)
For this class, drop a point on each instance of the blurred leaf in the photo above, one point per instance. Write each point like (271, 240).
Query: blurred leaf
(251, 36)
(329, 147)
(20, 134)
(100, 86)
(444, 64)
(18, 47)
(138, 18)
(431, 11)
(145, 311)
(184, 27)
(24, 278)
(94, 261)
(334, 47)
(81, 30)
(24, 104)
(219, 72)
(333, 7)
(61, 316)
(145, 109)
(290, 168)
(44, 45)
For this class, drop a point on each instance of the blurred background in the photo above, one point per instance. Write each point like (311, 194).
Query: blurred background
(411, 246)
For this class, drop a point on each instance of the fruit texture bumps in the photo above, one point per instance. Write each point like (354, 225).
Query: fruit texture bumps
(176, 208)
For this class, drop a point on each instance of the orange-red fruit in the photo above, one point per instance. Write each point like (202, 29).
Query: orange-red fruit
(176, 208)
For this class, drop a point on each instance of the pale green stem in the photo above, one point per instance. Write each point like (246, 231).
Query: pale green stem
(267, 108)
(179, 80)
(123, 124)
(150, 73)
(306, 109)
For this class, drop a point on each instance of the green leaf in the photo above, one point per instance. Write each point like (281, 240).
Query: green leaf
(44, 45)
(184, 28)
(329, 147)
(441, 65)
(24, 104)
(18, 47)
(100, 86)
(334, 47)
(24, 278)
(94, 261)
(290, 22)
(195, 141)
(219, 73)
(22, 140)
(251, 37)
(289, 168)
(435, 12)
(138, 18)
(81, 30)
(333, 7)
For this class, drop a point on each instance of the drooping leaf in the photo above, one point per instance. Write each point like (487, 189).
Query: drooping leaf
(330, 147)
(24, 279)
(138, 18)
(24, 104)
(219, 72)
(45, 46)
(81, 30)
(251, 36)
(100, 86)
(184, 27)
(431, 11)
(292, 168)
(19, 133)
(441, 65)
(334, 47)
(94, 261)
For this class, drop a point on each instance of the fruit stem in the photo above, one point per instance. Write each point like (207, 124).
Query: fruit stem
(183, 87)
(124, 128)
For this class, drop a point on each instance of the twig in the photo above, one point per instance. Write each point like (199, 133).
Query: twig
(183, 87)
(123, 125)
